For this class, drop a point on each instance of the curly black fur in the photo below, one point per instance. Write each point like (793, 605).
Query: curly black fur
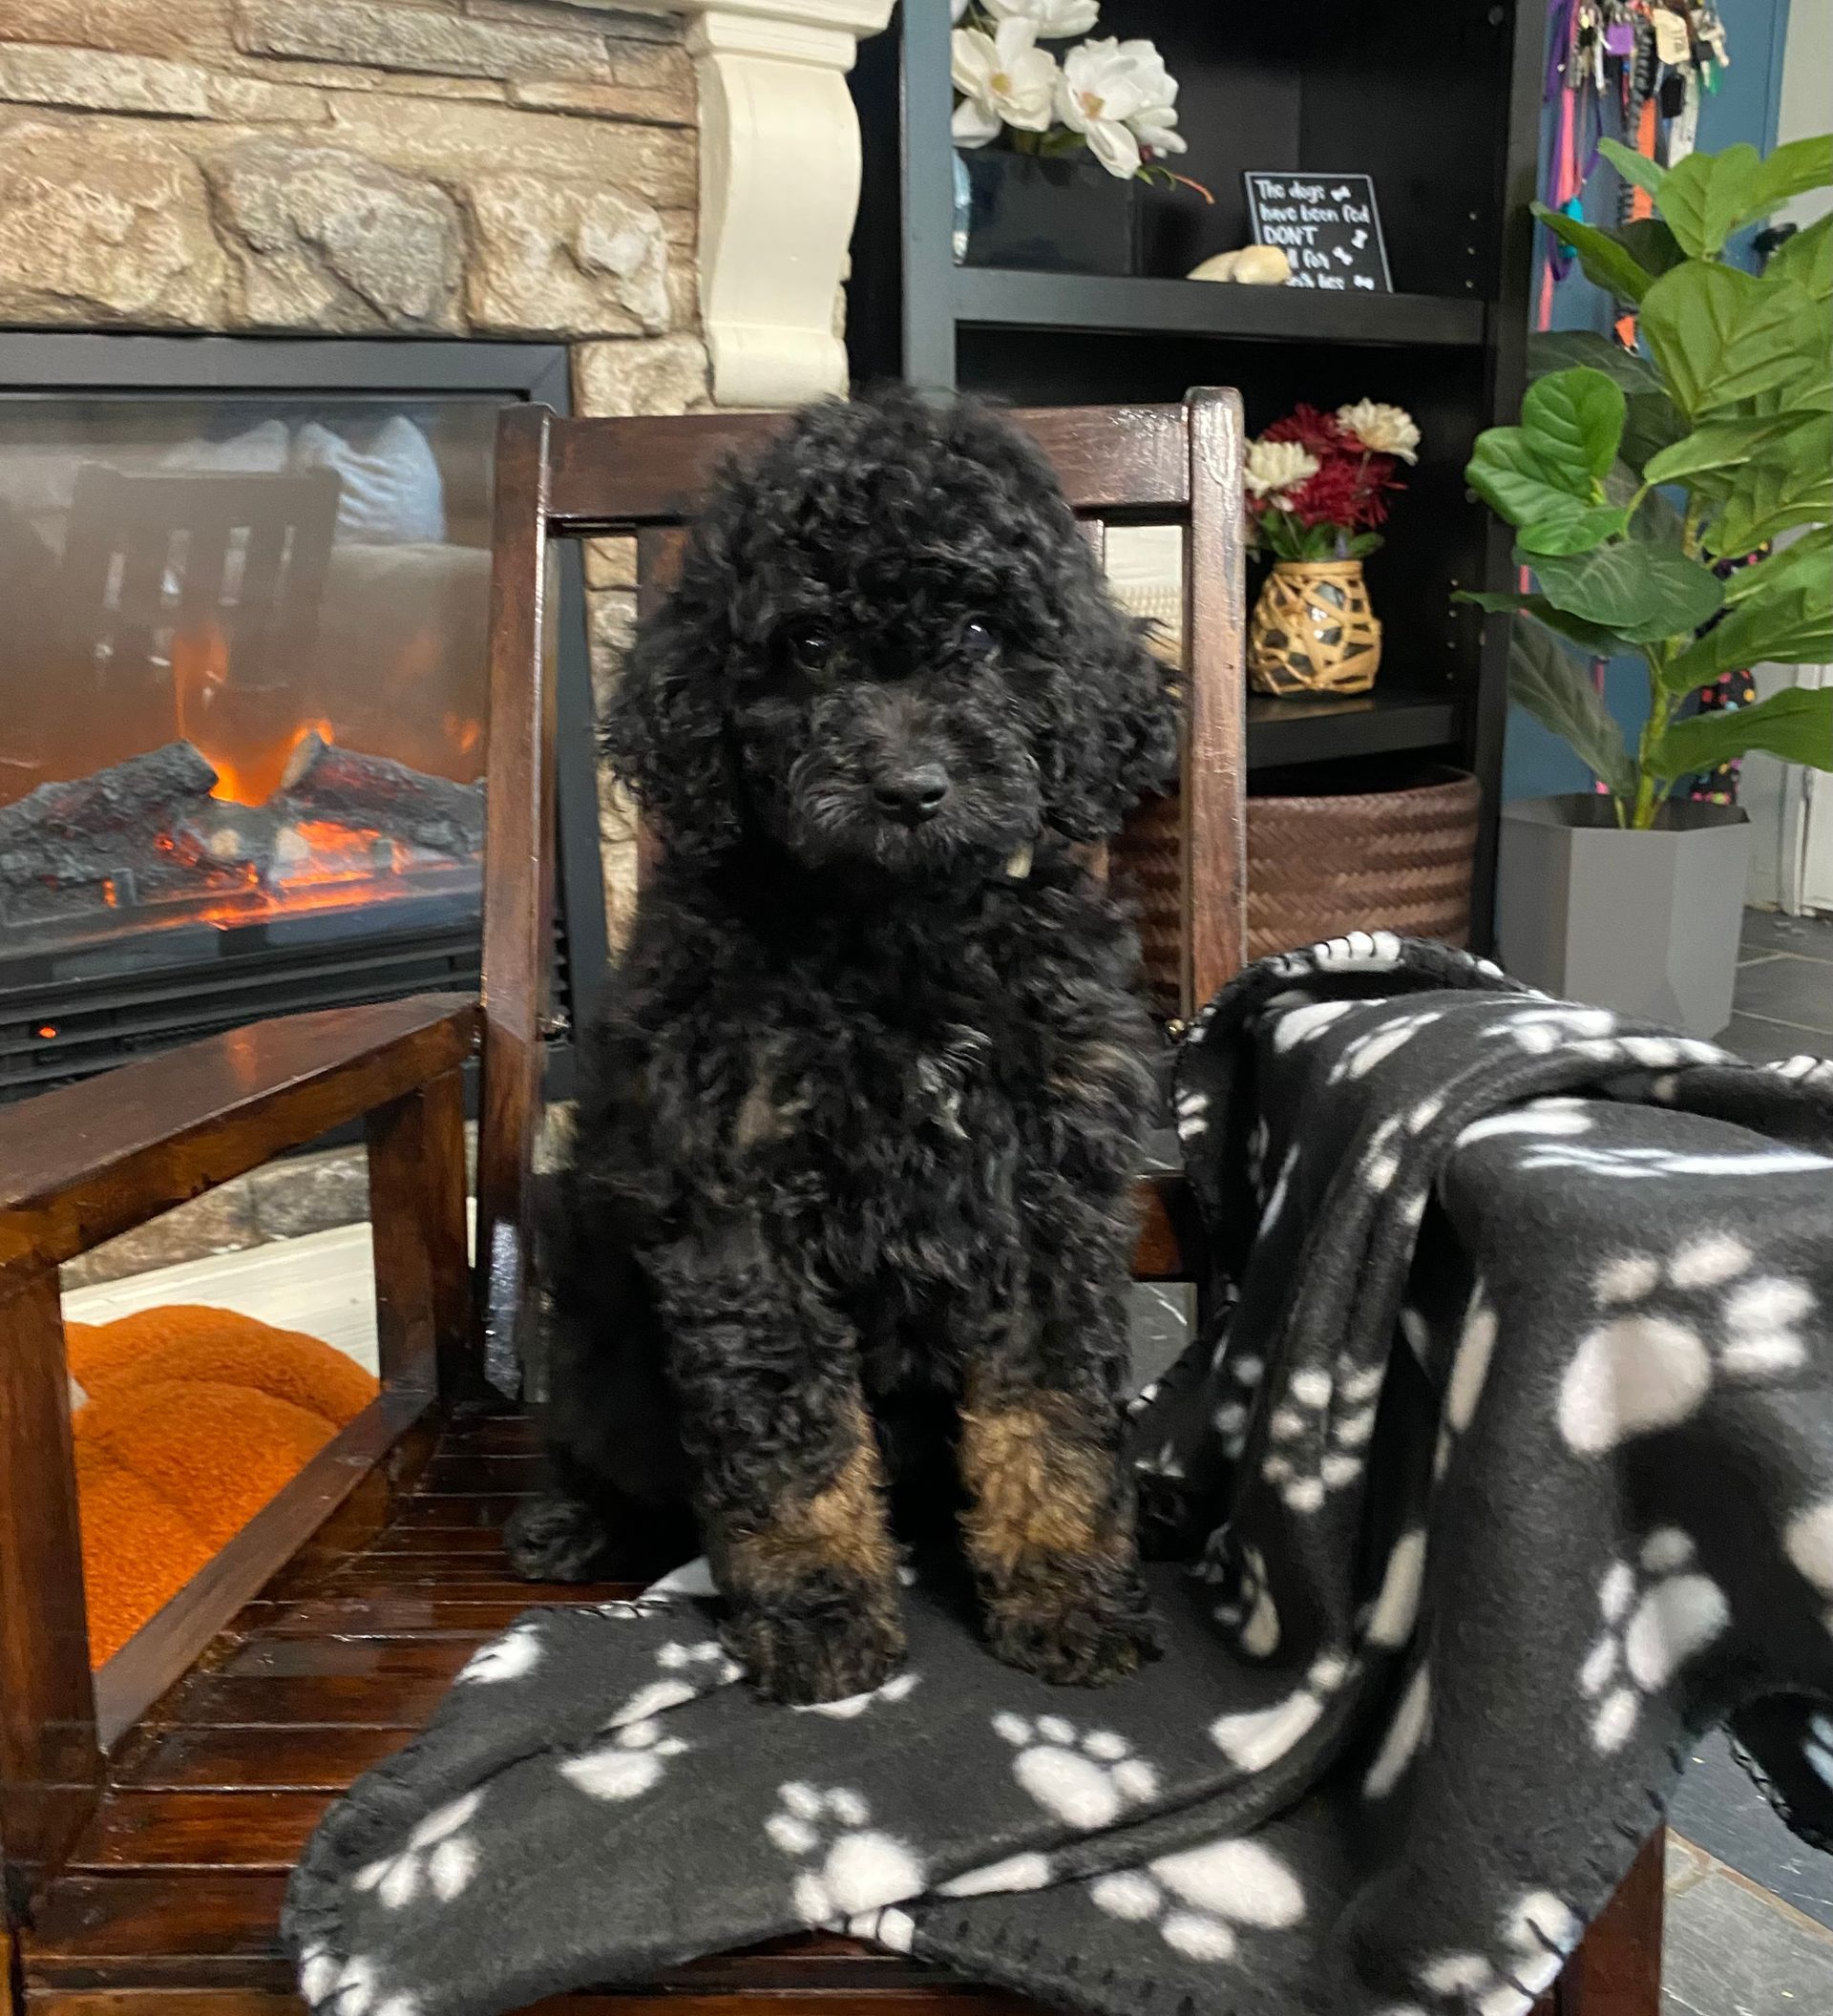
(852, 1174)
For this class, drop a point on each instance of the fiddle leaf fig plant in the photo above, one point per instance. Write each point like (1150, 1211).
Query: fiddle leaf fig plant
(1644, 484)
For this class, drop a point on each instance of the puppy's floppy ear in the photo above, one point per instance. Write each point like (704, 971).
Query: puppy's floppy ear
(1116, 736)
(665, 733)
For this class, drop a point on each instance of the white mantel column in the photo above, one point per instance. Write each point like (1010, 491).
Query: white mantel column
(779, 186)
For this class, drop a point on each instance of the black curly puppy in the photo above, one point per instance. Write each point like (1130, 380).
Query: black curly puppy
(852, 1176)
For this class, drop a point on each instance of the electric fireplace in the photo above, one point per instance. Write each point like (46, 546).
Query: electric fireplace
(243, 596)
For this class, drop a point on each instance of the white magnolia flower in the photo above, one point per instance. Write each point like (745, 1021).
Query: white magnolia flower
(1053, 19)
(1387, 430)
(1095, 97)
(1275, 468)
(956, 9)
(1156, 123)
(1004, 78)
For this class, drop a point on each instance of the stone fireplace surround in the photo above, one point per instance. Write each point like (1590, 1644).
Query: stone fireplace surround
(667, 186)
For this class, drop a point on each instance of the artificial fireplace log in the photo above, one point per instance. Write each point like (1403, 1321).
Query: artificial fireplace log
(324, 781)
(98, 826)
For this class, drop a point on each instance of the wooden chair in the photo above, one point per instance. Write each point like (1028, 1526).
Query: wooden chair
(148, 1839)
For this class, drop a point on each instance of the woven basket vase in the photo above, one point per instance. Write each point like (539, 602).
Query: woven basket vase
(1312, 630)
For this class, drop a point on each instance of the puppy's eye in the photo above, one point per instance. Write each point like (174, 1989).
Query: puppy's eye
(808, 646)
(977, 641)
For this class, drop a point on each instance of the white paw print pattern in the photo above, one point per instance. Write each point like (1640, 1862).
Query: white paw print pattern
(348, 1987)
(1242, 1372)
(1087, 1778)
(439, 1858)
(1657, 1614)
(1361, 1054)
(1307, 1021)
(1804, 1070)
(1469, 1373)
(1817, 1749)
(1248, 1611)
(1200, 1899)
(518, 1651)
(687, 1670)
(1647, 1367)
(1635, 1164)
(897, 1687)
(632, 1763)
(1358, 952)
(1537, 1934)
(1542, 1030)
(1396, 1609)
(1309, 1458)
(1808, 1541)
(1407, 1730)
(849, 1868)
(1255, 1738)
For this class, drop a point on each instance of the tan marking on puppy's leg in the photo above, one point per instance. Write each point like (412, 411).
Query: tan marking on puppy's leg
(815, 1612)
(1049, 1536)
(839, 1526)
(1036, 1487)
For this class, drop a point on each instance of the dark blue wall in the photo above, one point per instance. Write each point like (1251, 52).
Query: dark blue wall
(1743, 109)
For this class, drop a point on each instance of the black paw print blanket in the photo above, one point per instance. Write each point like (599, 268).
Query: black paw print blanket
(1503, 1465)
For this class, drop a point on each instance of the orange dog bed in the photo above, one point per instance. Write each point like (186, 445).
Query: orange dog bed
(194, 1418)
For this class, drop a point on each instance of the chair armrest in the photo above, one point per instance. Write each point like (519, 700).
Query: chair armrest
(85, 1162)
(1171, 1243)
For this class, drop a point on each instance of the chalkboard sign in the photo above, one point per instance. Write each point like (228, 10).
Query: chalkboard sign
(1327, 225)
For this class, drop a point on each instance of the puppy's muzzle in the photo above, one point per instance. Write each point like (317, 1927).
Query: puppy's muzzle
(911, 794)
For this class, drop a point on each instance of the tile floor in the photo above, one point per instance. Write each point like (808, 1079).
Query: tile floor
(1750, 1906)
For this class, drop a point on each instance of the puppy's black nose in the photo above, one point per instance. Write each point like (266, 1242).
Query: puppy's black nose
(915, 794)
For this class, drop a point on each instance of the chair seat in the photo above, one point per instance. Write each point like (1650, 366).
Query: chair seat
(174, 1892)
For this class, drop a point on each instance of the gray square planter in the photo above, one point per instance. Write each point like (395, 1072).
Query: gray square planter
(1644, 923)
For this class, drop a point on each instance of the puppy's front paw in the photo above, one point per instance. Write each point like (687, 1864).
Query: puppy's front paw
(818, 1641)
(1074, 1623)
(555, 1538)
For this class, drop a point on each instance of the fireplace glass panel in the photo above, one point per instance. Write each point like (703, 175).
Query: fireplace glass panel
(242, 674)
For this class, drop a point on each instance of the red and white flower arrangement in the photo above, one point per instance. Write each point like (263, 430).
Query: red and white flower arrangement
(1318, 483)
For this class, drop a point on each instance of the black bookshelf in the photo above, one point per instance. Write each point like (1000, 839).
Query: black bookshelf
(1441, 106)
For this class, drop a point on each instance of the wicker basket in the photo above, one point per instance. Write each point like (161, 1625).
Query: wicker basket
(1316, 868)
(1361, 861)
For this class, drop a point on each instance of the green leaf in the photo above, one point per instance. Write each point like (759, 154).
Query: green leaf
(1640, 591)
(1561, 350)
(1361, 544)
(1706, 196)
(1791, 625)
(1558, 693)
(1512, 479)
(1651, 243)
(1575, 528)
(1790, 482)
(1633, 167)
(1719, 335)
(1595, 643)
(1656, 522)
(1796, 724)
(1652, 425)
(1720, 444)
(1809, 558)
(1605, 262)
(1806, 259)
(1573, 421)
(1791, 170)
